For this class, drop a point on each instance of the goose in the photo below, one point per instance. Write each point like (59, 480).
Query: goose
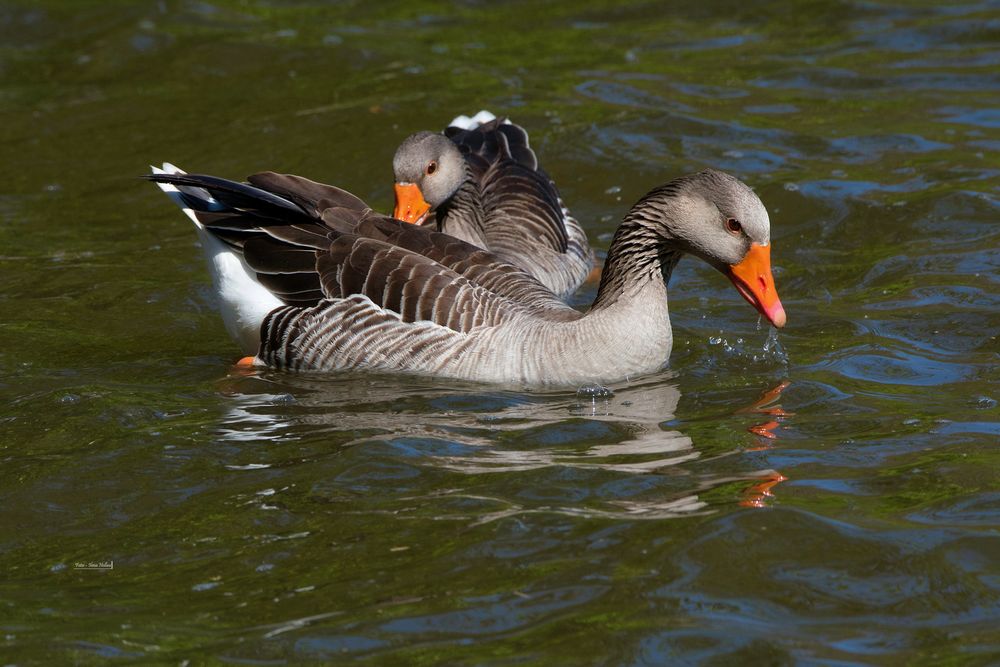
(480, 181)
(310, 278)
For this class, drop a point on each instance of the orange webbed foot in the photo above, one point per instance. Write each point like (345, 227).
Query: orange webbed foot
(244, 366)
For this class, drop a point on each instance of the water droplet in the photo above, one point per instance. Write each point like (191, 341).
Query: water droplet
(594, 392)
(208, 585)
(986, 403)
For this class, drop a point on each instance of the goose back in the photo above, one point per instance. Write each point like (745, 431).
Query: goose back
(515, 207)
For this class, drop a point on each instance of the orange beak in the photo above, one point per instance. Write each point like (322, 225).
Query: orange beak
(410, 204)
(754, 281)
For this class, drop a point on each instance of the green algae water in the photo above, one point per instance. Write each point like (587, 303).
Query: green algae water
(826, 495)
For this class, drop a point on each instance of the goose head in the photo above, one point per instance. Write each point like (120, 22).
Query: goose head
(428, 169)
(721, 220)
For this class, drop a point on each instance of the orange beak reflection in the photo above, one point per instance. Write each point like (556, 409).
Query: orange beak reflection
(754, 281)
(410, 204)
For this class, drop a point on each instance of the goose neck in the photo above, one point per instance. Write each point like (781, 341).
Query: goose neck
(641, 255)
(461, 215)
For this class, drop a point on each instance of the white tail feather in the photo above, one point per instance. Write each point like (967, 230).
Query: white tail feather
(481, 118)
(244, 302)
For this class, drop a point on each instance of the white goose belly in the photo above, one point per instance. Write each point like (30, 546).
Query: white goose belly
(596, 348)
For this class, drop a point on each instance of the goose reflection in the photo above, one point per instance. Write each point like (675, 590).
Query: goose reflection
(469, 429)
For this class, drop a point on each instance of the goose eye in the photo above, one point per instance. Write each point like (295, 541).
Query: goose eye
(734, 226)
(431, 167)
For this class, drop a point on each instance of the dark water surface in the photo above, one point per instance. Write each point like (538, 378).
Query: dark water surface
(827, 497)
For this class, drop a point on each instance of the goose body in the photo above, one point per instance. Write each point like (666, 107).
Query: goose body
(480, 181)
(310, 278)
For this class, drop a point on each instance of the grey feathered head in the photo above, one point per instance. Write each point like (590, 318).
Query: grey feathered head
(428, 169)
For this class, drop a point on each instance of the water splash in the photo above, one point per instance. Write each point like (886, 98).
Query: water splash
(739, 349)
(594, 392)
(773, 346)
(594, 399)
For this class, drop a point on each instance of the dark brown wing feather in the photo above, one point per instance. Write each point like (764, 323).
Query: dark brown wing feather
(316, 242)
(480, 266)
(311, 196)
(404, 282)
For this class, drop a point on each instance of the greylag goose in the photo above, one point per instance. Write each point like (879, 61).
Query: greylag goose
(310, 278)
(480, 181)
